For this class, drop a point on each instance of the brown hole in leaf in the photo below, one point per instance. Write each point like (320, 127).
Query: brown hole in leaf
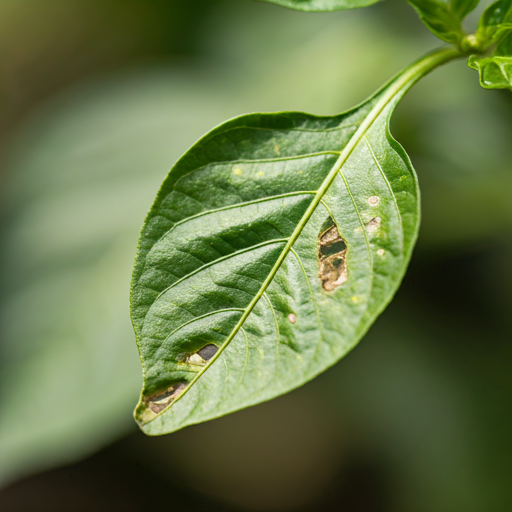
(159, 401)
(332, 251)
(208, 352)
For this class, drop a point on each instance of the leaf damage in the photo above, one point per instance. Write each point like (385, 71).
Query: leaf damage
(208, 351)
(332, 251)
(253, 241)
(160, 401)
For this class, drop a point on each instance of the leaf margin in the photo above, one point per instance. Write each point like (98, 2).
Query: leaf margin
(444, 19)
(322, 5)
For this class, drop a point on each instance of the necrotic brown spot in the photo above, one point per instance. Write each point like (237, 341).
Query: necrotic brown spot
(159, 401)
(332, 251)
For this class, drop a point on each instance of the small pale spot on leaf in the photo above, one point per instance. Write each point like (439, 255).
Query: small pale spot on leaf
(237, 171)
(381, 252)
(354, 299)
(260, 173)
(373, 200)
(276, 149)
(292, 318)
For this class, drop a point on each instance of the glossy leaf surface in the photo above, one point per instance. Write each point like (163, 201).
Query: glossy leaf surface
(444, 17)
(495, 23)
(495, 36)
(272, 246)
(495, 69)
(322, 5)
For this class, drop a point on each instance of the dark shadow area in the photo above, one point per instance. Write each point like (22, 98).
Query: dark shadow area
(111, 481)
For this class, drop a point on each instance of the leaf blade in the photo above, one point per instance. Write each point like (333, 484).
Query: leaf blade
(286, 328)
(494, 35)
(495, 23)
(322, 5)
(495, 69)
(444, 18)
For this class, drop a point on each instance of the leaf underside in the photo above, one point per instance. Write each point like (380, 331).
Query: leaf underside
(266, 256)
(322, 5)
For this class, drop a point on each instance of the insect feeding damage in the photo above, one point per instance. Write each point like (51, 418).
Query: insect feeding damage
(161, 400)
(201, 357)
(332, 252)
(157, 403)
(208, 352)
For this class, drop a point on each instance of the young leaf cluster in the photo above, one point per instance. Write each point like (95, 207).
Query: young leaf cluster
(489, 49)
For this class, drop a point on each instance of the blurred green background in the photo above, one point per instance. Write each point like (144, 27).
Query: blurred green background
(97, 101)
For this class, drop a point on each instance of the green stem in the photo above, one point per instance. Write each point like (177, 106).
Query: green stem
(404, 80)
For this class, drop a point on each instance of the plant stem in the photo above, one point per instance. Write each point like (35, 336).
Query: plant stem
(418, 69)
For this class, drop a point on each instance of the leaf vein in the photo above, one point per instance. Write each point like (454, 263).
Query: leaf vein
(313, 298)
(196, 319)
(377, 163)
(234, 206)
(278, 333)
(215, 262)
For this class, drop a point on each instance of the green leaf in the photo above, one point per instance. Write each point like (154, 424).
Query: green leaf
(322, 5)
(496, 68)
(495, 23)
(495, 34)
(444, 17)
(271, 247)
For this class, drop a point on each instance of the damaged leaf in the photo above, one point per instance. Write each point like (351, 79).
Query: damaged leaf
(271, 247)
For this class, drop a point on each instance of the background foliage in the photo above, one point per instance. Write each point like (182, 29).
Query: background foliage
(97, 100)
